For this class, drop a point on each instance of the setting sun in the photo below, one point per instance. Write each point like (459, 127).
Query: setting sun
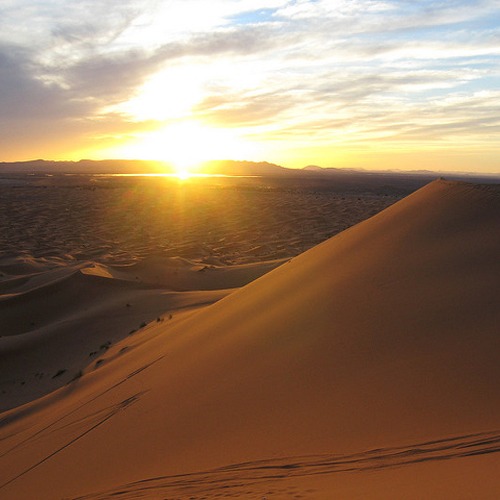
(183, 175)
(186, 145)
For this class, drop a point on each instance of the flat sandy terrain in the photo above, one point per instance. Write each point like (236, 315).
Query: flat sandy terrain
(247, 340)
(123, 220)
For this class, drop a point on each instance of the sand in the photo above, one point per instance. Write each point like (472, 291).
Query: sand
(88, 260)
(365, 367)
(123, 220)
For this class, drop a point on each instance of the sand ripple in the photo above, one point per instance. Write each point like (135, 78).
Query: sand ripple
(121, 222)
(246, 479)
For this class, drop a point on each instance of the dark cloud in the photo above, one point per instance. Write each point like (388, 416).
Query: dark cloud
(59, 108)
(23, 94)
(240, 41)
(107, 80)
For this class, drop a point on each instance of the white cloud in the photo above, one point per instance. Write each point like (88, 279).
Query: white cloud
(341, 9)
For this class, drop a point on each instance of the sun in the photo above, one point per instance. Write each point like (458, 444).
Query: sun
(183, 175)
(186, 146)
(166, 107)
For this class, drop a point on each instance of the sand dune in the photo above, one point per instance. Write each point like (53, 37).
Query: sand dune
(367, 367)
(56, 319)
(176, 273)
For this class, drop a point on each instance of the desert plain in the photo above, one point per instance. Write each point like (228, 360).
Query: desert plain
(222, 338)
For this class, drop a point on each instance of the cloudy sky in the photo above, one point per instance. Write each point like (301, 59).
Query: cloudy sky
(401, 84)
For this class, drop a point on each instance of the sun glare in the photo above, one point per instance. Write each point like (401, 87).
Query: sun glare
(170, 94)
(187, 145)
(183, 175)
(168, 99)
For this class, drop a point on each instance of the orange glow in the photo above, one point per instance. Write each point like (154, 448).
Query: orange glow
(186, 145)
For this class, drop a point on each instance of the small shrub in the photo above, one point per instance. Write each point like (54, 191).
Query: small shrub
(105, 346)
(59, 373)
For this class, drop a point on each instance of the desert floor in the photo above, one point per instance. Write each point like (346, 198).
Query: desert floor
(245, 338)
(121, 220)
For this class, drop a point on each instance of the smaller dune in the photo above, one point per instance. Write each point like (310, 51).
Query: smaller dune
(57, 319)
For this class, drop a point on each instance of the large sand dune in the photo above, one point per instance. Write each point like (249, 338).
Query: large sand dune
(367, 367)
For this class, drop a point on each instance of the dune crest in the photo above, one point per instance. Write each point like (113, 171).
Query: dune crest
(383, 337)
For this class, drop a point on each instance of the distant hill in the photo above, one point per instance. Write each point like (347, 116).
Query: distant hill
(221, 167)
(310, 177)
(85, 167)
(233, 167)
(316, 169)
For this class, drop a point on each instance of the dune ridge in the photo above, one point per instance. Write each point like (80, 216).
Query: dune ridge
(383, 336)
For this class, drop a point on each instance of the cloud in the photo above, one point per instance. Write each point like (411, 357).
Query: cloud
(231, 110)
(240, 41)
(106, 80)
(23, 95)
(351, 70)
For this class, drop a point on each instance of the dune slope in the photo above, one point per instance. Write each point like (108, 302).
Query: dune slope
(375, 349)
(56, 318)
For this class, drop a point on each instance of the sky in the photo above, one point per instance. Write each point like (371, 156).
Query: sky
(389, 84)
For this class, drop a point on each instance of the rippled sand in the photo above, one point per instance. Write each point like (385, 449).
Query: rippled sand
(122, 220)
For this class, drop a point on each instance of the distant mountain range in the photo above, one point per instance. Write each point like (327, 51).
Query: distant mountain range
(223, 167)
(85, 167)
(311, 175)
(232, 167)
